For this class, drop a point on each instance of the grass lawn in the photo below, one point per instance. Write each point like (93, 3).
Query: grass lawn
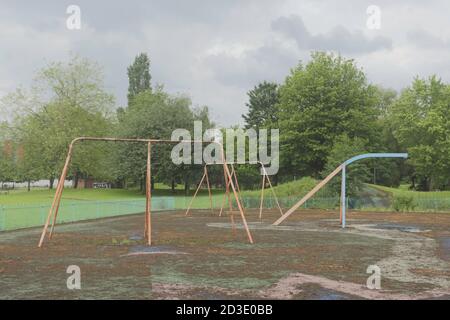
(296, 189)
(404, 191)
(21, 208)
(45, 196)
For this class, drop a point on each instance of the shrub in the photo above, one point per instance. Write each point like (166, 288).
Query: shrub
(403, 203)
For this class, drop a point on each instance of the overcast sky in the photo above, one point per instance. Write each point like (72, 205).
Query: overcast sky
(215, 51)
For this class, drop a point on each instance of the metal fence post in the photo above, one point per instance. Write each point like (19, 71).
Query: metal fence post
(42, 214)
(72, 212)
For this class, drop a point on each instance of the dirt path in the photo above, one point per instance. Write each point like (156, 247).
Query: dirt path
(290, 286)
(410, 252)
(412, 259)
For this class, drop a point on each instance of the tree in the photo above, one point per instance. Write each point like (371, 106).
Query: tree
(261, 105)
(138, 76)
(387, 172)
(155, 115)
(421, 123)
(46, 136)
(357, 173)
(7, 164)
(320, 101)
(69, 100)
(385, 97)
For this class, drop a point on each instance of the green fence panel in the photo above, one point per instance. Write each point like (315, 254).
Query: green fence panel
(23, 216)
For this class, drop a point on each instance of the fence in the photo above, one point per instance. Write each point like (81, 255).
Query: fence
(16, 216)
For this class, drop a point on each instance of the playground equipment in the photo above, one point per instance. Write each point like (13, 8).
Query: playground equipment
(341, 167)
(60, 186)
(205, 177)
(265, 177)
(227, 192)
(263, 187)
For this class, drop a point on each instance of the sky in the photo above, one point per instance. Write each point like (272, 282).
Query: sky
(216, 51)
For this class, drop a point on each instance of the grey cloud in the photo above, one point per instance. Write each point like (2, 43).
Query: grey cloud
(268, 62)
(338, 39)
(124, 16)
(424, 39)
(181, 37)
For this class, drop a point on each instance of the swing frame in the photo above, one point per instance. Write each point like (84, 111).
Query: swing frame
(148, 225)
(265, 177)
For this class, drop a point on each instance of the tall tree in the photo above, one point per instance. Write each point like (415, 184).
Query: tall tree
(387, 172)
(8, 168)
(155, 114)
(138, 76)
(262, 100)
(320, 101)
(421, 123)
(69, 100)
(343, 149)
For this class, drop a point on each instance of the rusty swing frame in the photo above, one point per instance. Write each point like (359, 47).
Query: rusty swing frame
(205, 177)
(148, 225)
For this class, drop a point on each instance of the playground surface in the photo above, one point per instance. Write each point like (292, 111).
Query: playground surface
(200, 257)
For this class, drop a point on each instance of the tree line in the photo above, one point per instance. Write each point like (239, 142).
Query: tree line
(326, 111)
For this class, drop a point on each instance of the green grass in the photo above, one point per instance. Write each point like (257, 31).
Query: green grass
(43, 196)
(403, 191)
(20, 208)
(290, 193)
(403, 199)
(297, 188)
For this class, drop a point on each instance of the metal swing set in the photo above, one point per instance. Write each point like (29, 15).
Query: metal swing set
(230, 181)
(265, 182)
(53, 212)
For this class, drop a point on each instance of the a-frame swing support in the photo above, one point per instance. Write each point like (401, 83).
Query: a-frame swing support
(265, 178)
(60, 186)
(263, 187)
(226, 195)
(204, 177)
(341, 168)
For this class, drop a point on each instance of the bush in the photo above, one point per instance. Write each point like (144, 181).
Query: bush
(403, 203)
